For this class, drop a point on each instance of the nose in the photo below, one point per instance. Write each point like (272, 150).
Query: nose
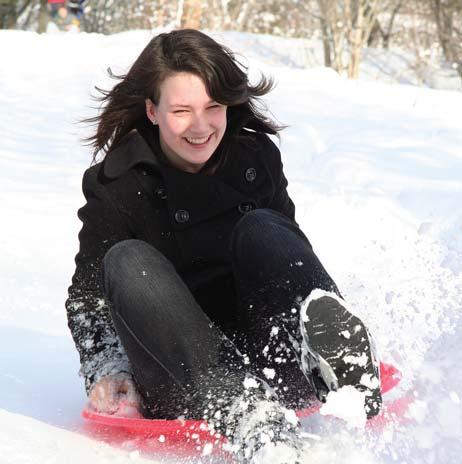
(200, 125)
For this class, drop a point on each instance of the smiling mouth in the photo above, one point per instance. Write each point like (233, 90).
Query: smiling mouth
(198, 141)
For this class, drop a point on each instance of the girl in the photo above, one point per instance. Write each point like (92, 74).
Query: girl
(187, 295)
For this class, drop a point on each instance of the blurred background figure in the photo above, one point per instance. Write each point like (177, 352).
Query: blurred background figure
(76, 8)
(54, 6)
(64, 20)
(64, 16)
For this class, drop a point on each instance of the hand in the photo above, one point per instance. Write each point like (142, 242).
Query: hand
(113, 392)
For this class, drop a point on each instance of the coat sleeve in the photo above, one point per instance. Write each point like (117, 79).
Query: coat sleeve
(281, 201)
(89, 319)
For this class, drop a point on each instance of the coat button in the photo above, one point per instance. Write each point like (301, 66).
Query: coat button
(250, 174)
(181, 216)
(246, 207)
(161, 193)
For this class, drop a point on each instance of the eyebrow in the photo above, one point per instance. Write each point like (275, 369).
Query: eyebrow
(187, 106)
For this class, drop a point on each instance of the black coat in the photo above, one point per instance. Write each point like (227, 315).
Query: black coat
(188, 217)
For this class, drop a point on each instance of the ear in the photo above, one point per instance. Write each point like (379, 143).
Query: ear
(150, 109)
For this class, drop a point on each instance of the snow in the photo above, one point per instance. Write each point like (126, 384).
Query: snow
(348, 404)
(250, 383)
(375, 170)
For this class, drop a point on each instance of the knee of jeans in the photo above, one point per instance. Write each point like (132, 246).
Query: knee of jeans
(257, 218)
(128, 258)
(268, 231)
(255, 225)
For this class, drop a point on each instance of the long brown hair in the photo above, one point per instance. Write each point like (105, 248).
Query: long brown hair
(185, 50)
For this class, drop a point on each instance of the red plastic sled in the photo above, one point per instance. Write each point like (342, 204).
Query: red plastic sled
(160, 431)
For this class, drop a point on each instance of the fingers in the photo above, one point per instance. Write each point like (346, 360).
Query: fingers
(130, 393)
(109, 392)
(103, 396)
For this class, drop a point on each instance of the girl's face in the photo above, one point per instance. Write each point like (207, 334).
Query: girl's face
(191, 124)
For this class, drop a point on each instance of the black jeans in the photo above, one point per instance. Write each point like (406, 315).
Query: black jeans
(181, 358)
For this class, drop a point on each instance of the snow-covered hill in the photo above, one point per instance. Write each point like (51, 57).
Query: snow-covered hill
(375, 170)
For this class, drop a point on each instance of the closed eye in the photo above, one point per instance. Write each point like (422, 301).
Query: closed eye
(187, 111)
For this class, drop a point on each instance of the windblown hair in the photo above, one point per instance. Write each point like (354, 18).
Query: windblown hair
(186, 50)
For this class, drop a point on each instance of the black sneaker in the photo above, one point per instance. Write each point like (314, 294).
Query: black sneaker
(337, 350)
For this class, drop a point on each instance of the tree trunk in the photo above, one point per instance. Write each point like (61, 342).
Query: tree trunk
(376, 35)
(459, 69)
(387, 35)
(191, 14)
(8, 14)
(43, 17)
(338, 52)
(227, 23)
(442, 34)
(160, 13)
(356, 41)
(326, 43)
(242, 17)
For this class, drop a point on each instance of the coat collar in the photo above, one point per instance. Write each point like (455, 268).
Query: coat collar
(132, 151)
(202, 196)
